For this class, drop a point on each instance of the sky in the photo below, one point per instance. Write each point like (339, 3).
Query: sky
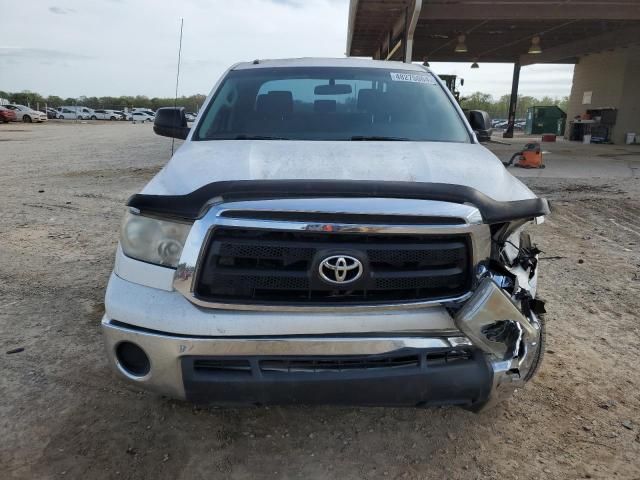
(98, 48)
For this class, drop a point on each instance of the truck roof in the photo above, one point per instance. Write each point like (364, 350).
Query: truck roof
(328, 62)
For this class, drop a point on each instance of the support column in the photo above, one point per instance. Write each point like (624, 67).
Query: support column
(513, 103)
(411, 22)
(405, 35)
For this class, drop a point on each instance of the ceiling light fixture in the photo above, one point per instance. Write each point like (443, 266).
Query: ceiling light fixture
(461, 47)
(535, 47)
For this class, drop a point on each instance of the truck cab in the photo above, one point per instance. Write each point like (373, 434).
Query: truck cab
(330, 232)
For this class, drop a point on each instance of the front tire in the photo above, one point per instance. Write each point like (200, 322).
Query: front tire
(93, 117)
(112, 118)
(27, 119)
(61, 117)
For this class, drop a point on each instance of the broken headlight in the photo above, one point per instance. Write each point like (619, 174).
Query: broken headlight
(153, 240)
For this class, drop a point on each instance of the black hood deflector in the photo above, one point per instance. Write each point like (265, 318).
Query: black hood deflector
(193, 205)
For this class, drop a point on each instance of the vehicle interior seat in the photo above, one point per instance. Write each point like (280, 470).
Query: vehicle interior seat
(373, 102)
(324, 106)
(277, 104)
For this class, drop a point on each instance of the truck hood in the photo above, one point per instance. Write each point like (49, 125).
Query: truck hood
(196, 164)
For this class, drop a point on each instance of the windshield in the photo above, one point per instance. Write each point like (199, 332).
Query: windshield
(324, 103)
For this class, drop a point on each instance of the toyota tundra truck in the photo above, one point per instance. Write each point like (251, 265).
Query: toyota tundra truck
(330, 232)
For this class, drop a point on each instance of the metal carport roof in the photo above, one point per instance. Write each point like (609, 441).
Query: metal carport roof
(496, 31)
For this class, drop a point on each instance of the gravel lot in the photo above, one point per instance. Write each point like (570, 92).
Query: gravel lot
(64, 415)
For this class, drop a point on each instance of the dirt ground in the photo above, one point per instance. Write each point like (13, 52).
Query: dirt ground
(63, 414)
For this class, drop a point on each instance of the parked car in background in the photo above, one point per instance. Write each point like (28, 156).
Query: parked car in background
(144, 110)
(27, 114)
(106, 115)
(51, 113)
(191, 117)
(121, 115)
(7, 115)
(74, 112)
(68, 113)
(142, 117)
(88, 113)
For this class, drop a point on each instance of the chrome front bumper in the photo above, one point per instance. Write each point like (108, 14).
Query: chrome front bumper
(507, 366)
(165, 351)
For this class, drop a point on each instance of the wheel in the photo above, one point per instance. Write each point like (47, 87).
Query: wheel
(93, 117)
(112, 118)
(27, 119)
(61, 117)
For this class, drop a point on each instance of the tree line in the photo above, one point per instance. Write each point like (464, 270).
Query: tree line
(35, 100)
(497, 108)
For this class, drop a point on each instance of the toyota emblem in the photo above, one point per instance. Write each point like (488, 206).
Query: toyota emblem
(340, 269)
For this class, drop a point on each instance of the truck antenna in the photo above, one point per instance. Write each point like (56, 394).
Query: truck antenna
(175, 101)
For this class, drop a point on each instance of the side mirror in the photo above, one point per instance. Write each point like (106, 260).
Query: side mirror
(480, 122)
(171, 122)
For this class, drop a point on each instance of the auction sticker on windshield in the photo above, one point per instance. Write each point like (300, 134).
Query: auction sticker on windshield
(412, 77)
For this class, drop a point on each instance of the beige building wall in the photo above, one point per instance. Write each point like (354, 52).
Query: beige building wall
(629, 114)
(613, 78)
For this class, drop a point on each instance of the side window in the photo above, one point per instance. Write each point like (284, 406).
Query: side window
(219, 118)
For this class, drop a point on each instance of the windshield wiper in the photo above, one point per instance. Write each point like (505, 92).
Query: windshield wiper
(257, 137)
(358, 138)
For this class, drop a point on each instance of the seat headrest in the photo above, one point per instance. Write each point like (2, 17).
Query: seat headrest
(276, 102)
(369, 99)
(324, 106)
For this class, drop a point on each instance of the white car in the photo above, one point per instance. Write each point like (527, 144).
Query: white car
(142, 117)
(69, 113)
(26, 114)
(73, 112)
(144, 110)
(334, 234)
(121, 115)
(87, 113)
(191, 117)
(106, 114)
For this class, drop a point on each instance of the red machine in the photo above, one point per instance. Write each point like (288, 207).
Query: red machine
(530, 157)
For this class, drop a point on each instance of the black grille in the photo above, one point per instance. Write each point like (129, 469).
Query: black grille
(276, 267)
(400, 360)
(328, 364)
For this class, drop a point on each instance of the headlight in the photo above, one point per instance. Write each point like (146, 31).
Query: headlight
(152, 240)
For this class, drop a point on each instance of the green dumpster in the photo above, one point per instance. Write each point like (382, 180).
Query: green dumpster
(545, 119)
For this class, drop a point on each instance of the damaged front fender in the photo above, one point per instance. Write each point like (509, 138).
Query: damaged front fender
(492, 321)
(511, 339)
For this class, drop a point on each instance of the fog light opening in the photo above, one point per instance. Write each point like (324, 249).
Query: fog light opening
(132, 359)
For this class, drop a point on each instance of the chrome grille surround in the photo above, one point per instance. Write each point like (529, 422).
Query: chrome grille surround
(465, 219)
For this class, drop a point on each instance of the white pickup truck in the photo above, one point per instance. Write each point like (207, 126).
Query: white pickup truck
(331, 232)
